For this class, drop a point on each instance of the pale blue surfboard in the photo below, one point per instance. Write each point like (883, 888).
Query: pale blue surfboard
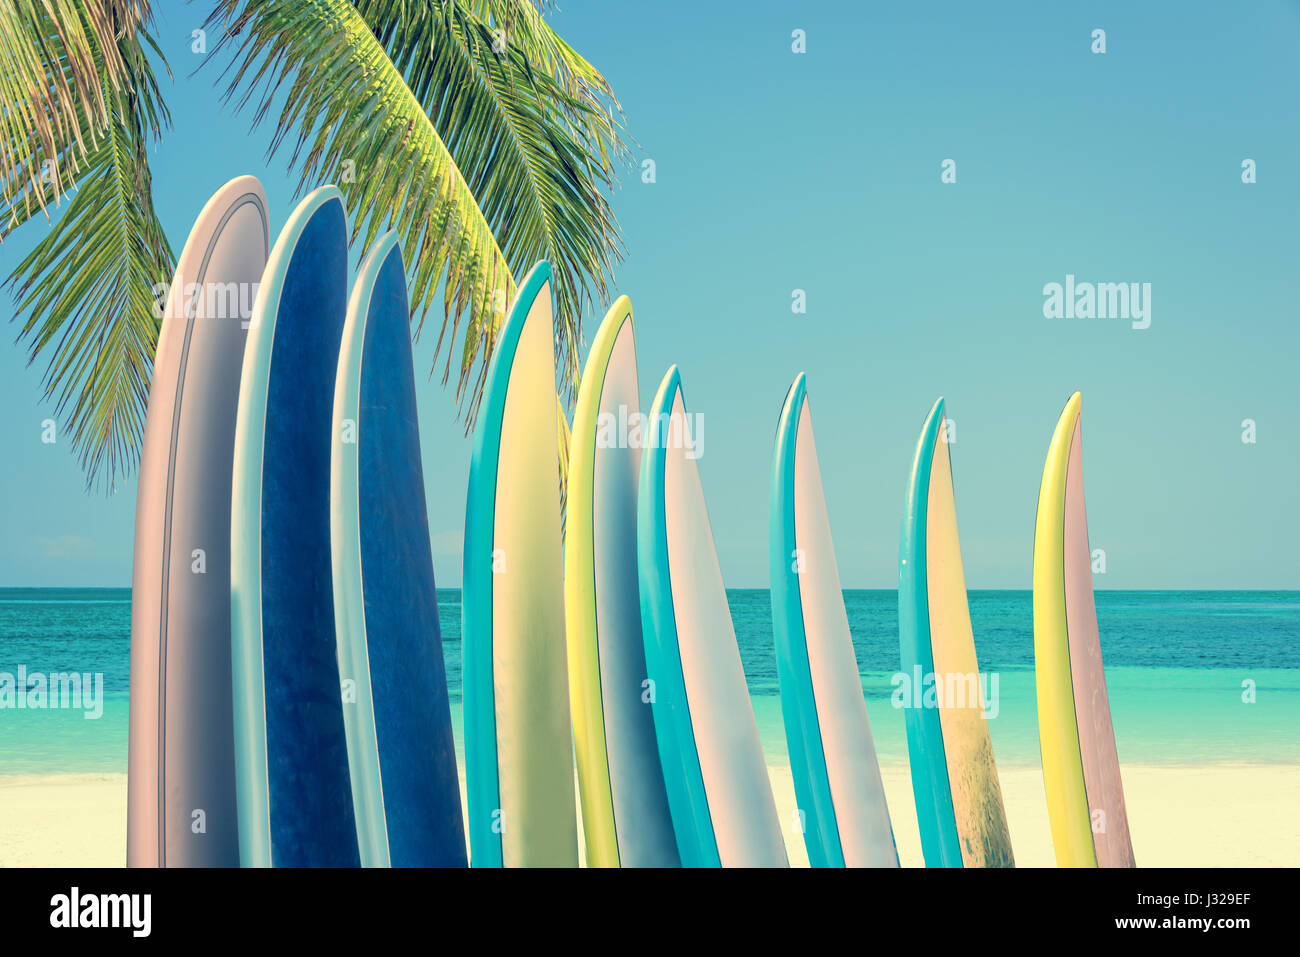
(291, 768)
(405, 788)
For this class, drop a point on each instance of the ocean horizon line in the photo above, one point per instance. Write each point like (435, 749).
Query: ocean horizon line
(851, 588)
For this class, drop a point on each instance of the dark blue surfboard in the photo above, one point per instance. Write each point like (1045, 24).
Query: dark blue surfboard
(403, 763)
(291, 766)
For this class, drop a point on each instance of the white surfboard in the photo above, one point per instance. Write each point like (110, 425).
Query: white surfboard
(180, 764)
(832, 756)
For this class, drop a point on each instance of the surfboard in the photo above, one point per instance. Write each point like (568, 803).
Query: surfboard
(954, 778)
(180, 755)
(405, 787)
(1085, 796)
(625, 817)
(719, 793)
(844, 816)
(518, 740)
(291, 764)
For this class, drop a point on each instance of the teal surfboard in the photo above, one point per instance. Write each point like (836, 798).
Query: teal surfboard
(518, 742)
(954, 780)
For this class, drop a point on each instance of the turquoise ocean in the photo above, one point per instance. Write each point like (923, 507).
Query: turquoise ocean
(1178, 665)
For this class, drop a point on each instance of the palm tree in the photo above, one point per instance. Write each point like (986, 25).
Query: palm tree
(468, 126)
(79, 104)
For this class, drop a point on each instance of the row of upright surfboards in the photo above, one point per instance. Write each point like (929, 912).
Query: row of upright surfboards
(288, 698)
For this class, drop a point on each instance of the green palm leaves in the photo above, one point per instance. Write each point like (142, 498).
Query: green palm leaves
(54, 58)
(470, 128)
(78, 103)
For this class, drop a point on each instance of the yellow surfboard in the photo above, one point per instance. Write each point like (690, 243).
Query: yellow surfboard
(625, 816)
(1085, 797)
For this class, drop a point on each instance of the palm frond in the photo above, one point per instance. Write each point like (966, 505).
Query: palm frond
(87, 288)
(353, 121)
(527, 27)
(57, 59)
(533, 128)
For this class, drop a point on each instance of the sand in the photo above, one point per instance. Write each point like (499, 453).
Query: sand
(1179, 816)
(1215, 816)
(64, 820)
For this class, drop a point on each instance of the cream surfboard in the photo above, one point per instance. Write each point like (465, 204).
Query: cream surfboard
(832, 756)
(1085, 796)
(518, 739)
(719, 793)
(181, 776)
(625, 817)
(954, 779)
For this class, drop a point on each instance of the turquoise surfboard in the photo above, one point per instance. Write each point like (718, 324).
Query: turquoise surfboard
(405, 788)
(719, 794)
(291, 764)
(954, 779)
(518, 741)
(837, 783)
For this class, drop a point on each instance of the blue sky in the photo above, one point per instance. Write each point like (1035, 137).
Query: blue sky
(821, 172)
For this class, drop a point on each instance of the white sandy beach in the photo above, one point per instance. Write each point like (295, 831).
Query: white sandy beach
(1179, 816)
(63, 820)
(1217, 816)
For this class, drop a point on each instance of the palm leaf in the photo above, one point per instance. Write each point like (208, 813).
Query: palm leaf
(527, 28)
(57, 58)
(353, 121)
(87, 288)
(531, 125)
(483, 160)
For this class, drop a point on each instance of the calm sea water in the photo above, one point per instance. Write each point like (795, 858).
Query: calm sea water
(1176, 666)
